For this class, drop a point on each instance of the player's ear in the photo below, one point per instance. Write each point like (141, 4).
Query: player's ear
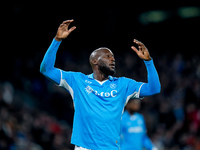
(94, 61)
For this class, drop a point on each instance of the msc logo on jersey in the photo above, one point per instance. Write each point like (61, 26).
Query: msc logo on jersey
(112, 93)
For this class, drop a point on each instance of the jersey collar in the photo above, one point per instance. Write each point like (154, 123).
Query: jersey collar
(91, 76)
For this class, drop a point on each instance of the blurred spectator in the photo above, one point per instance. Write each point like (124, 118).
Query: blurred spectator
(134, 130)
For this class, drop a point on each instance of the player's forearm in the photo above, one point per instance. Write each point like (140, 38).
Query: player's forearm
(50, 57)
(153, 86)
(47, 66)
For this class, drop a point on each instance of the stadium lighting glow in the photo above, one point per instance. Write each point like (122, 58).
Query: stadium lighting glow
(153, 16)
(157, 16)
(188, 12)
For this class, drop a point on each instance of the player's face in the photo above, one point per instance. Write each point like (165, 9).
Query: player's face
(106, 62)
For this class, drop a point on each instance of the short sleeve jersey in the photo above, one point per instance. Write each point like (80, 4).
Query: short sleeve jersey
(98, 108)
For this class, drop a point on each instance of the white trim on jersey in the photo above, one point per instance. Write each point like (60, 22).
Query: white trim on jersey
(134, 95)
(64, 84)
(80, 148)
(101, 82)
(140, 88)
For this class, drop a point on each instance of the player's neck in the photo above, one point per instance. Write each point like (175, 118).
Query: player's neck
(100, 76)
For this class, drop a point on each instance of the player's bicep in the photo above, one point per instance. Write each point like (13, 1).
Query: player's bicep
(54, 75)
(68, 80)
(134, 89)
(147, 90)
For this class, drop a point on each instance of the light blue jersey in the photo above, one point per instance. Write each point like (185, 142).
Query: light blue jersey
(134, 135)
(98, 108)
(98, 105)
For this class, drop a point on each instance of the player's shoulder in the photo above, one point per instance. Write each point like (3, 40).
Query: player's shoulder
(126, 79)
(77, 75)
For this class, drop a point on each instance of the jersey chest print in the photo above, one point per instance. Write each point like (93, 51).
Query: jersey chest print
(110, 92)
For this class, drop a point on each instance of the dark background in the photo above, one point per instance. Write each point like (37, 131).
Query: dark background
(29, 27)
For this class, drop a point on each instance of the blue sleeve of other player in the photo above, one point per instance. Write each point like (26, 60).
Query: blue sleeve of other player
(47, 66)
(153, 86)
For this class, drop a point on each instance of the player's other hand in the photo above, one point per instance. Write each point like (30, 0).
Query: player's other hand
(63, 30)
(142, 51)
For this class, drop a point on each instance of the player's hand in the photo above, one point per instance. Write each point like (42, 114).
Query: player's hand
(63, 30)
(142, 52)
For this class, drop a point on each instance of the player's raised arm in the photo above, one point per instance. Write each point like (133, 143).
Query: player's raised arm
(153, 86)
(47, 66)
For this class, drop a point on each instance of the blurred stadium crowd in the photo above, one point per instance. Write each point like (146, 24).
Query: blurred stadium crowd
(35, 114)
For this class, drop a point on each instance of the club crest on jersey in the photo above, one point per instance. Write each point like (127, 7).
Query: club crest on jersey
(113, 85)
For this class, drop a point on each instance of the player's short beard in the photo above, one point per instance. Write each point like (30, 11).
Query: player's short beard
(106, 70)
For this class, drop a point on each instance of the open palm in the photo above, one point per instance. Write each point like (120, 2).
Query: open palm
(142, 52)
(63, 30)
